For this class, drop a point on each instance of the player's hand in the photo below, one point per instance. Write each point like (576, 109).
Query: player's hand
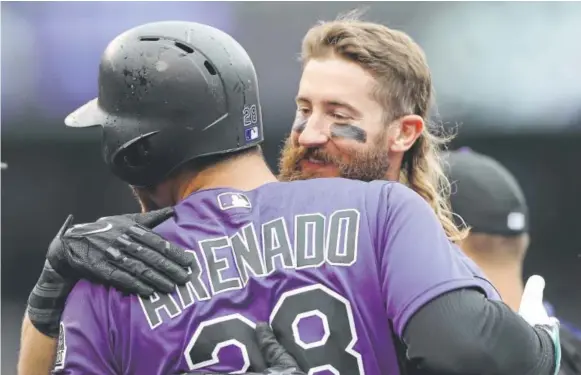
(119, 251)
(278, 360)
(275, 355)
(533, 311)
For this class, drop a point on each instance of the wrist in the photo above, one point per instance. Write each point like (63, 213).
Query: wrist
(47, 300)
(550, 341)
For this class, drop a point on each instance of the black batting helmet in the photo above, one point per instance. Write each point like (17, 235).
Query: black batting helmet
(171, 92)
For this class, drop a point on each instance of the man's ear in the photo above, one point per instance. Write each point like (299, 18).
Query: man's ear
(409, 128)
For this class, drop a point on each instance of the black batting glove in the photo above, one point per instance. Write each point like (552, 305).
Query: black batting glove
(278, 360)
(122, 252)
(119, 251)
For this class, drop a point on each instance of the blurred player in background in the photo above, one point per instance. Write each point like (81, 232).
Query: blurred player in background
(338, 133)
(487, 198)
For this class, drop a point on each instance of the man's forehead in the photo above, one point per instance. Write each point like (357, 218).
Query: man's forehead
(335, 80)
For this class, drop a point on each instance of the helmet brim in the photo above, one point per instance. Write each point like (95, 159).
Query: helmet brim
(88, 115)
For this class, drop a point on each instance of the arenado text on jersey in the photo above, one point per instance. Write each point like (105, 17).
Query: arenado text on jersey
(228, 262)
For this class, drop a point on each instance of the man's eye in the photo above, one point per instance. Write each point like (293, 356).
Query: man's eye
(304, 111)
(339, 116)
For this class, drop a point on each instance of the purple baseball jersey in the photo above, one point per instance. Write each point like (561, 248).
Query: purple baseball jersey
(337, 267)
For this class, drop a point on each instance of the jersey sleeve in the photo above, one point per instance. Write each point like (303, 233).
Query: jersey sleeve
(84, 345)
(417, 262)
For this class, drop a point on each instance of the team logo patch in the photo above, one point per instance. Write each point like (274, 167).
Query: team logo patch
(251, 133)
(61, 351)
(233, 200)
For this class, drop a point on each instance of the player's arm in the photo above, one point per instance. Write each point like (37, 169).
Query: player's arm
(462, 332)
(126, 256)
(116, 251)
(37, 351)
(450, 325)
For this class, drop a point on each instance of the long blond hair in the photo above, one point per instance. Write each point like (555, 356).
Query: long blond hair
(404, 86)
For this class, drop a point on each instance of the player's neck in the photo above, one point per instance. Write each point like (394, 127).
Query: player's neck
(245, 173)
(507, 279)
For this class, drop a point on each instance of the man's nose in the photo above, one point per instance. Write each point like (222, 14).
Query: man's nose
(314, 134)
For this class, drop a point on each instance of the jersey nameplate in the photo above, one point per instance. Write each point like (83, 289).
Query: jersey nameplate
(229, 262)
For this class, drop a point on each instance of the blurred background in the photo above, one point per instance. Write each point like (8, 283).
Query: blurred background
(508, 75)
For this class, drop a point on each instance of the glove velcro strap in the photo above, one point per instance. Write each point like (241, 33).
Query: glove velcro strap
(47, 301)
